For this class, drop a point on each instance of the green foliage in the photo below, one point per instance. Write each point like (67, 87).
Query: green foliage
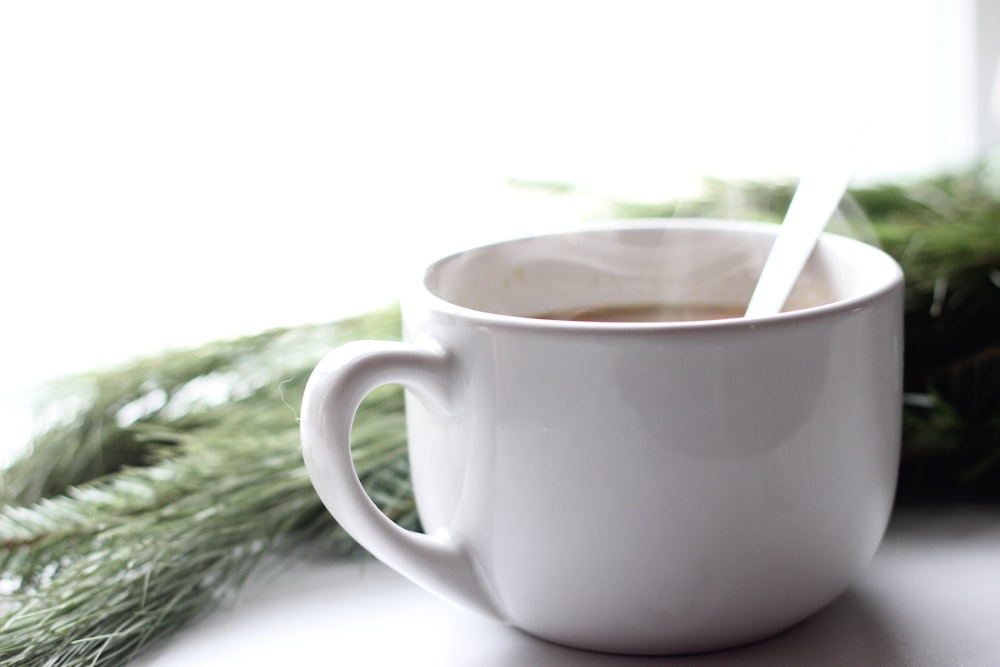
(155, 500)
(154, 489)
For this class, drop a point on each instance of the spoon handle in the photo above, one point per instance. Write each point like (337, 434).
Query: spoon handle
(812, 206)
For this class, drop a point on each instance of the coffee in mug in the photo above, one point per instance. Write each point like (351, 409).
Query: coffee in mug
(647, 312)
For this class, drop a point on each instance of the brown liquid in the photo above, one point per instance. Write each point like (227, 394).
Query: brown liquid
(647, 312)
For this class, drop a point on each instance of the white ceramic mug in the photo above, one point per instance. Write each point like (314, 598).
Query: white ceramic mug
(631, 487)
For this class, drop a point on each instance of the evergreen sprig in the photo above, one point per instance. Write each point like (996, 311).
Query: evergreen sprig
(98, 560)
(154, 489)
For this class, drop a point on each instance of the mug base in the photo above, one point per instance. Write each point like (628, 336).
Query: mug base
(675, 646)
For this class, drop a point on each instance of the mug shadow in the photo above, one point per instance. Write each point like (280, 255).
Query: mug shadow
(850, 631)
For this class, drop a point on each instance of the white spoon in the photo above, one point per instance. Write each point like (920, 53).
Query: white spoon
(813, 204)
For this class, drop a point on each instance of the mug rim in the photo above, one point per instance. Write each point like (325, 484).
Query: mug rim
(425, 296)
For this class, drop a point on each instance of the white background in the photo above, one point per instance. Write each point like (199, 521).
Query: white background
(176, 172)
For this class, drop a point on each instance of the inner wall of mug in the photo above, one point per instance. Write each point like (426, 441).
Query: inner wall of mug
(699, 263)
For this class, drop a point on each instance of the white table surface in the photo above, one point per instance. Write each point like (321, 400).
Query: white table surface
(931, 597)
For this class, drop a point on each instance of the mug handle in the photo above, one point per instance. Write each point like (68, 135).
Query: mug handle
(332, 395)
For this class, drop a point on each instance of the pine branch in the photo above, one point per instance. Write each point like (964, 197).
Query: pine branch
(154, 489)
(94, 575)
